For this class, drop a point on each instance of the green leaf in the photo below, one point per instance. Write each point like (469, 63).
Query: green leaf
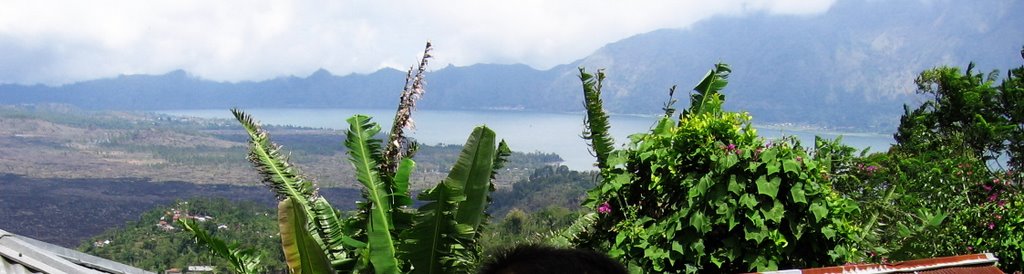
(435, 235)
(678, 248)
(400, 195)
(791, 166)
(754, 233)
(776, 213)
(773, 167)
(797, 193)
(328, 225)
(302, 253)
(278, 173)
(734, 186)
(708, 98)
(819, 211)
(472, 174)
(766, 187)
(700, 223)
(245, 261)
(701, 187)
(828, 232)
(273, 166)
(365, 154)
(566, 236)
(664, 127)
(748, 201)
(596, 121)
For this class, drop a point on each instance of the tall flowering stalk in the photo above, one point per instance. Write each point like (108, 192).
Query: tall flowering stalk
(398, 145)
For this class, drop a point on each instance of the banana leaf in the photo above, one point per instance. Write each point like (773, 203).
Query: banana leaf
(365, 155)
(302, 253)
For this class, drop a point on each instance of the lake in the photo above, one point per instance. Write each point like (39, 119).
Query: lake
(524, 131)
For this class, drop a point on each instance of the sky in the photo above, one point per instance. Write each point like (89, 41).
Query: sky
(59, 42)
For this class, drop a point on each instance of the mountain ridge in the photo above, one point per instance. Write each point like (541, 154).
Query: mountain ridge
(852, 67)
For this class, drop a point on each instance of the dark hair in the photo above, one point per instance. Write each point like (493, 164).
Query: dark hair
(537, 259)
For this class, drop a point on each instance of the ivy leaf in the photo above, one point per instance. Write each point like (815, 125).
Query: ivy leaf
(698, 247)
(776, 213)
(748, 201)
(678, 248)
(702, 186)
(699, 222)
(770, 188)
(797, 193)
(820, 212)
(791, 166)
(756, 234)
(773, 167)
(769, 155)
(752, 167)
(728, 161)
(734, 186)
(828, 232)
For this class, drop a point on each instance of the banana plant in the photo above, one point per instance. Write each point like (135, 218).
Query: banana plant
(384, 235)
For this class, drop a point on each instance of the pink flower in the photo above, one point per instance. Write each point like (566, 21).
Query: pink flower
(604, 208)
(987, 187)
(730, 147)
(991, 225)
(970, 249)
(993, 197)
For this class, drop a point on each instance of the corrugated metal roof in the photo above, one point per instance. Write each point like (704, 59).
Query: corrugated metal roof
(20, 255)
(976, 263)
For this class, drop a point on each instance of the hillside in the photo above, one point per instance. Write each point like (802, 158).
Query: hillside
(61, 142)
(155, 242)
(851, 67)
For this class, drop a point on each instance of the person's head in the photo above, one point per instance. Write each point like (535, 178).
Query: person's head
(537, 259)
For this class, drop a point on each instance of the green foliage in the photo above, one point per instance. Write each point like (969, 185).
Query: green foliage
(301, 251)
(443, 237)
(596, 122)
(365, 152)
(930, 196)
(384, 235)
(548, 225)
(156, 246)
(242, 260)
(546, 186)
(967, 108)
(705, 193)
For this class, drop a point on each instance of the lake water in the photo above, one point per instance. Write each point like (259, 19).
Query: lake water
(524, 131)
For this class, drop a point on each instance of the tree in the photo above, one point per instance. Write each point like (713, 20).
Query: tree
(966, 198)
(970, 109)
(702, 192)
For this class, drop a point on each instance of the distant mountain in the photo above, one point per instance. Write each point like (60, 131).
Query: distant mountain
(852, 67)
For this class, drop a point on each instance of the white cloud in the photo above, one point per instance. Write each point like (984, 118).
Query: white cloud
(51, 41)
